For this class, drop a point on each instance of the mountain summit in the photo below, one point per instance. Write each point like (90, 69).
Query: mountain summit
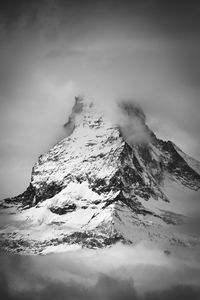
(105, 182)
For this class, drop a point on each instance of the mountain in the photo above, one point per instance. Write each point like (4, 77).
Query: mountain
(106, 182)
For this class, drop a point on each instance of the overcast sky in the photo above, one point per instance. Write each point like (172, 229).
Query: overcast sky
(50, 51)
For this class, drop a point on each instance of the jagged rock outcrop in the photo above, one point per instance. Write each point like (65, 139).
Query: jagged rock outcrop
(100, 185)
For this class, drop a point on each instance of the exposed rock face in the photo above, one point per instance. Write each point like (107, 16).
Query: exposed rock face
(98, 186)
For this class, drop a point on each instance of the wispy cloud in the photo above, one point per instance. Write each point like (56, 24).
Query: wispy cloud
(139, 273)
(109, 50)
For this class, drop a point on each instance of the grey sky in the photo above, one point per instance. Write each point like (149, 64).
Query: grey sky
(50, 51)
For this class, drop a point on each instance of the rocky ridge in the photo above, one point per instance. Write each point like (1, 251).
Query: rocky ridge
(99, 186)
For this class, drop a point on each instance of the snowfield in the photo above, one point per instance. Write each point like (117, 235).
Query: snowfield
(98, 187)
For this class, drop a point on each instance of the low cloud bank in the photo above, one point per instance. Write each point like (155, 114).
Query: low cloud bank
(120, 272)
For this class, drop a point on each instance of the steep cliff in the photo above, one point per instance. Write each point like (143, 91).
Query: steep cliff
(101, 185)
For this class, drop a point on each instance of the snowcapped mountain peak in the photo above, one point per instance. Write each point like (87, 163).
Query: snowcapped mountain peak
(105, 182)
(84, 114)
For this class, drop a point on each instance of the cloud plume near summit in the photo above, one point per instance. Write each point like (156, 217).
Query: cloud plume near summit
(131, 121)
(108, 50)
(144, 51)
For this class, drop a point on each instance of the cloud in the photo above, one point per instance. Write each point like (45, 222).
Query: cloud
(180, 292)
(120, 272)
(108, 50)
(131, 120)
(107, 288)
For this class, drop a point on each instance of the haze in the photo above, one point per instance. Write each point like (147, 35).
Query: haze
(147, 51)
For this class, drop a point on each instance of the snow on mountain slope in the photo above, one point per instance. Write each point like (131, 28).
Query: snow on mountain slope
(98, 186)
(193, 163)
